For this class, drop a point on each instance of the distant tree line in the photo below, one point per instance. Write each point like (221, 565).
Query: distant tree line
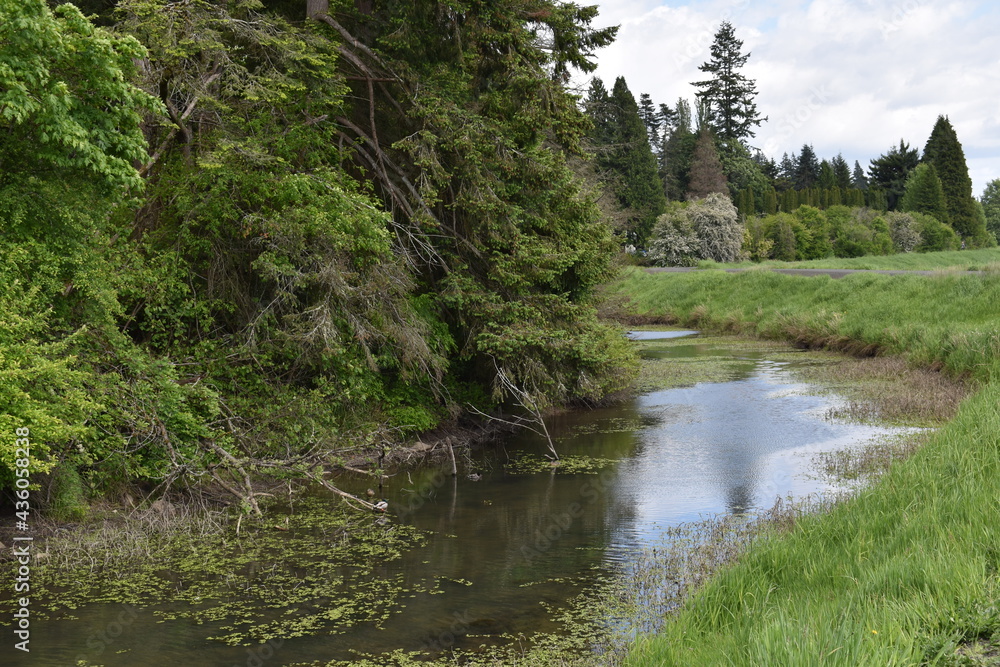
(650, 154)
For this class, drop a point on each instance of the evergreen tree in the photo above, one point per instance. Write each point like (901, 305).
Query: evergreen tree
(785, 178)
(651, 119)
(770, 201)
(729, 96)
(706, 169)
(858, 179)
(789, 200)
(841, 172)
(827, 179)
(991, 207)
(631, 164)
(806, 169)
(675, 162)
(767, 165)
(889, 172)
(668, 119)
(924, 193)
(597, 106)
(944, 151)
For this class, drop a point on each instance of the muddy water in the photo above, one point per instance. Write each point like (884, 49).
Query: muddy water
(504, 547)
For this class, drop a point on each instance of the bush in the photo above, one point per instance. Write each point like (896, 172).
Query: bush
(935, 235)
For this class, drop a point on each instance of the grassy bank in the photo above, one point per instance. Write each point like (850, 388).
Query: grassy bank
(907, 571)
(959, 260)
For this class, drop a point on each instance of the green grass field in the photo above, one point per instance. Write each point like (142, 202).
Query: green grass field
(905, 573)
(959, 260)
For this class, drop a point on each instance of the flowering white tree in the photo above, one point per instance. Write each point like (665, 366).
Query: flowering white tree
(718, 227)
(708, 228)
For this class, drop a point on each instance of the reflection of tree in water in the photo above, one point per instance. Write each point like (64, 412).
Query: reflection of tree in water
(739, 498)
(511, 536)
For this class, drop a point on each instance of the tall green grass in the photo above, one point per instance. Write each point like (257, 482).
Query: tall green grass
(963, 260)
(905, 573)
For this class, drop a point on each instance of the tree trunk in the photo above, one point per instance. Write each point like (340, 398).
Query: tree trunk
(316, 7)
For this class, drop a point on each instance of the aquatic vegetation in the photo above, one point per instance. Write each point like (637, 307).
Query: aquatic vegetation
(573, 464)
(321, 573)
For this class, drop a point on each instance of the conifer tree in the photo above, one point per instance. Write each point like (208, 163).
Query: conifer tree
(841, 172)
(706, 169)
(858, 178)
(827, 179)
(889, 171)
(806, 169)
(924, 193)
(597, 107)
(944, 151)
(770, 201)
(651, 119)
(629, 161)
(675, 162)
(729, 96)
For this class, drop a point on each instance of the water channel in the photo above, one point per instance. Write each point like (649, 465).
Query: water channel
(505, 545)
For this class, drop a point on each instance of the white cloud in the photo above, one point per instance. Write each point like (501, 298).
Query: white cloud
(850, 76)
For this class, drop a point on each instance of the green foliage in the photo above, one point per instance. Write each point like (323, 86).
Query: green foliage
(67, 497)
(889, 173)
(991, 207)
(67, 106)
(625, 157)
(935, 235)
(301, 265)
(924, 193)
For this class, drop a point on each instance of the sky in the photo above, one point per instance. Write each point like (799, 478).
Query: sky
(846, 76)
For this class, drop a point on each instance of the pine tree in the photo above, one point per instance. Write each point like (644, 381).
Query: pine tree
(889, 172)
(841, 172)
(858, 179)
(944, 151)
(706, 169)
(597, 106)
(729, 96)
(806, 169)
(924, 193)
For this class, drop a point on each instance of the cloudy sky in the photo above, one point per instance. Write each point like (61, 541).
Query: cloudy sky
(847, 76)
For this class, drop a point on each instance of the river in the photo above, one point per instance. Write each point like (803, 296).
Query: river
(491, 557)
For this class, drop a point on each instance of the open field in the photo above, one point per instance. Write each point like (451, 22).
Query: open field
(905, 573)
